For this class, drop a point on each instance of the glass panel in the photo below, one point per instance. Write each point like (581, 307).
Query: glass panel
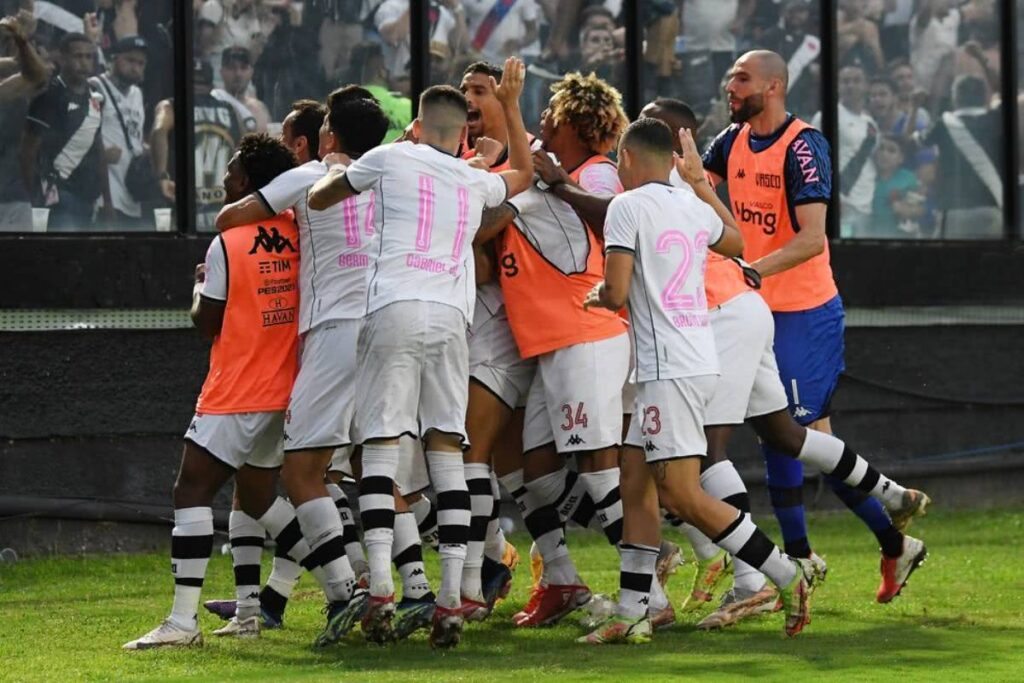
(689, 47)
(920, 121)
(254, 58)
(75, 109)
(553, 37)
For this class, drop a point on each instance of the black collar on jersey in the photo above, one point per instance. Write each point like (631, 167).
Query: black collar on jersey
(655, 182)
(442, 151)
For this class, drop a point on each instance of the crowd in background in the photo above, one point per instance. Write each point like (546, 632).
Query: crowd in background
(918, 85)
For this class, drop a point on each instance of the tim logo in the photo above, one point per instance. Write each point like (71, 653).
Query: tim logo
(766, 220)
(270, 267)
(649, 446)
(574, 440)
(741, 174)
(271, 242)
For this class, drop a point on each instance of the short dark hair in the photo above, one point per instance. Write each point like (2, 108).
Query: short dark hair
(309, 116)
(595, 10)
(882, 80)
(349, 92)
(485, 68)
(263, 158)
(69, 39)
(650, 135)
(679, 108)
(359, 124)
(443, 95)
(969, 91)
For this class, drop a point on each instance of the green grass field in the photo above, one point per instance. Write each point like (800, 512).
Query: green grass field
(961, 618)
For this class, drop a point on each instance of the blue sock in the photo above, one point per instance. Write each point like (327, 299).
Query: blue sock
(785, 488)
(872, 514)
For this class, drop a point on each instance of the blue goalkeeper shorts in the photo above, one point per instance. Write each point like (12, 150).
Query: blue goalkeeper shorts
(809, 348)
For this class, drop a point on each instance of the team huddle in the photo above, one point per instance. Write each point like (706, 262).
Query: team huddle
(469, 309)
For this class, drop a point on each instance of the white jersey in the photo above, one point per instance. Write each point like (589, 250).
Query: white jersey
(667, 230)
(430, 208)
(133, 114)
(334, 246)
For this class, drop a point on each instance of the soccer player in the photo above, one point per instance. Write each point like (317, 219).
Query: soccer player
(413, 355)
(548, 262)
(657, 238)
(333, 271)
(749, 388)
(245, 299)
(779, 178)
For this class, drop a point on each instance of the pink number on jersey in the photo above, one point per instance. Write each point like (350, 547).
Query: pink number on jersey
(460, 228)
(700, 243)
(350, 219)
(672, 297)
(426, 218)
(370, 208)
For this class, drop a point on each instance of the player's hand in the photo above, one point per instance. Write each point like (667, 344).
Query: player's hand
(511, 86)
(488, 148)
(408, 135)
(11, 27)
(337, 158)
(200, 273)
(594, 296)
(545, 167)
(689, 165)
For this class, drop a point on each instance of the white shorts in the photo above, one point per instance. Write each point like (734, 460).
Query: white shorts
(413, 374)
(412, 475)
(237, 439)
(629, 388)
(494, 359)
(749, 385)
(669, 419)
(577, 395)
(321, 405)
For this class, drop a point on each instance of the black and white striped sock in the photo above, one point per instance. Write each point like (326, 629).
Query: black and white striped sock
(246, 536)
(407, 554)
(494, 543)
(746, 542)
(191, 545)
(545, 527)
(290, 557)
(349, 535)
(377, 511)
(603, 487)
(637, 565)
(723, 482)
(453, 518)
(481, 503)
(833, 457)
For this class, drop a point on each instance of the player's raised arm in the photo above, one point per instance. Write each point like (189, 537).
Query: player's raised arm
(508, 91)
(246, 210)
(691, 170)
(332, 189)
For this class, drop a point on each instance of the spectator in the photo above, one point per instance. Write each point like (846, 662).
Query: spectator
(599, 54)
(118, 19)
(499, 28)
(970, 185)
(368, 70)
(933, 35)
(895, 29)
(858, 38)
(392, 21)
(897, 204)
(340, 30)
(124, 119)
(236, 72)
(857, 136)
(796, 40)
(62, 150)
(884, 109)
(710, 47)
(22, 73)
(909, 97)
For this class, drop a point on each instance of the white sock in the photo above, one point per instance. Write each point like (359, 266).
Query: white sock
(703, 548)
(284, 574)
(833, 457)
(426, 521)
(723, 482)
(636, 575)
(481, 501)
(453, 517)
(353, 548)
(191, 545)
(246, 536)
(377, 509)
(748, 543)
(321, 527)
(408, 557)
(494, 546)
(603, 487)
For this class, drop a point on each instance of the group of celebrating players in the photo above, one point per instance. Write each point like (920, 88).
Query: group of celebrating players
(471, 306)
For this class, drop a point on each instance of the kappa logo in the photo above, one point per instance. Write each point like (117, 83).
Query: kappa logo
(271, 242)
(560, 543)
(644, 600)
(800, 411)
(741, 174)
(885, 486)
(649, 446)
(417, 572)
(254, 595)
(192, 427)
(286, 437)
(574, 440)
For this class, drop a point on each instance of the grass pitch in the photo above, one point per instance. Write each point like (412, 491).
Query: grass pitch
(961, 618)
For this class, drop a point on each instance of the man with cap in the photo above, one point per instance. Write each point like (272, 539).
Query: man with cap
(236, 72)
(124, 118)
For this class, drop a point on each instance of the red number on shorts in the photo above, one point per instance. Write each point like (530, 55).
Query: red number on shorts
(652, 415)
(571, 422)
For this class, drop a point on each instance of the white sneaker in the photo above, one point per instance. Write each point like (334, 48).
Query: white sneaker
(597, 610)
(820, 567)
(245, 628)
(167, 634)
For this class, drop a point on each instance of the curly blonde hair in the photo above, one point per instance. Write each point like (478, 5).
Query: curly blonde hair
(592, 107)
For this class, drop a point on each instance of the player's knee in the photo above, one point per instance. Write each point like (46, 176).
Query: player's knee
(781, 432)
